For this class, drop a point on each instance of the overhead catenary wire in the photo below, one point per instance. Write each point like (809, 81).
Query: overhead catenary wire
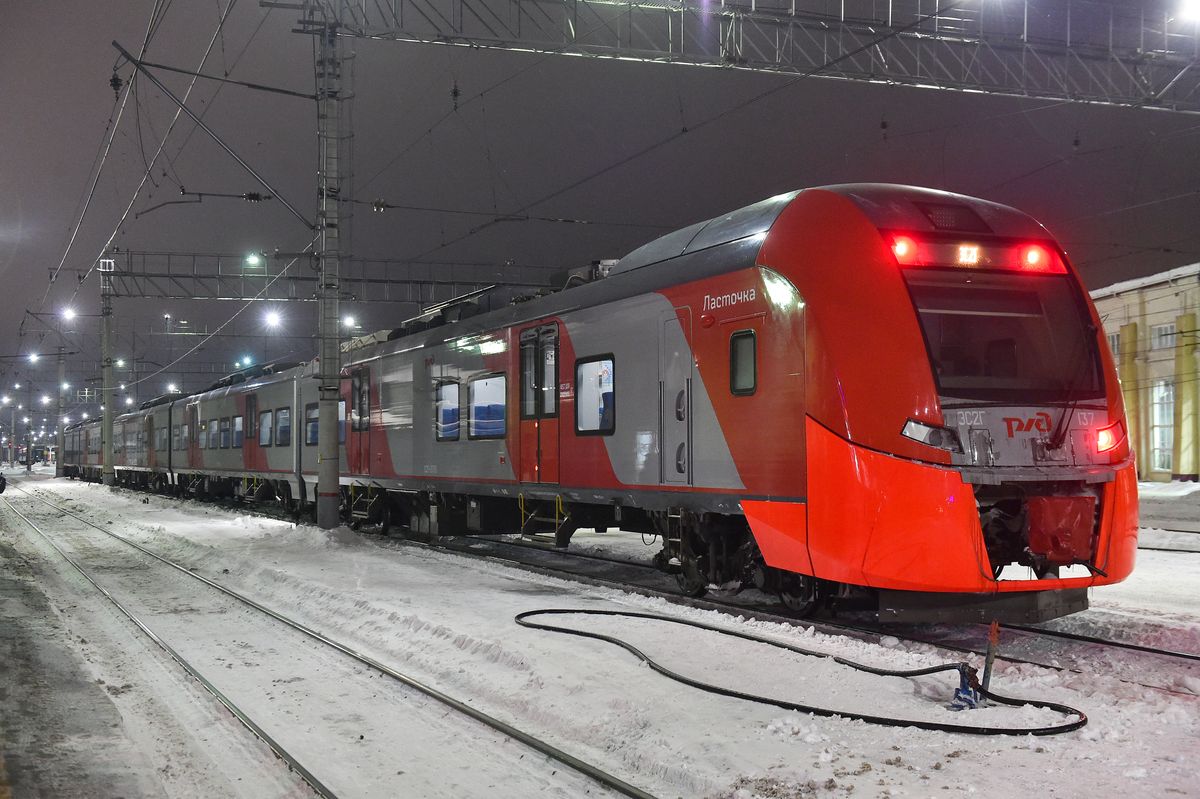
(675, 136)
(158, 152)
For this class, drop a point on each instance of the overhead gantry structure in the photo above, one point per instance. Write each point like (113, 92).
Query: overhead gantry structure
(1139, 53)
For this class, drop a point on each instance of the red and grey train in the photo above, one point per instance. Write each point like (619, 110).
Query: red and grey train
(855, 390)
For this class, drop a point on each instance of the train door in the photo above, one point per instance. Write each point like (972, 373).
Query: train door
(675, 396)
(539, 405)
(358, 437)
(148, 453)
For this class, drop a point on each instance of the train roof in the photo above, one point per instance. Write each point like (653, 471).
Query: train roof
(888, 205)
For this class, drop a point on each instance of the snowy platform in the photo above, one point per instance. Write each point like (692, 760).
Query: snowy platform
(448, 619)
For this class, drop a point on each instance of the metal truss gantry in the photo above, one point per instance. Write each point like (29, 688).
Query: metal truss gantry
(1117, 52)
(205, 276)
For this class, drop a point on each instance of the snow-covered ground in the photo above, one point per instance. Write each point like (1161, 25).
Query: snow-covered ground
(448, 620)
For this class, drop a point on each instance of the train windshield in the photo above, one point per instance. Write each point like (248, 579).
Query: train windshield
(1006, 337)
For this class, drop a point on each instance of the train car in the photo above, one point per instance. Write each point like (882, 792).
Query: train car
(860, 390)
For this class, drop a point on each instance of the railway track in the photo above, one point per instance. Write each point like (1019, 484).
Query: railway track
(1021, 645)
(585, 769)
(968, 639)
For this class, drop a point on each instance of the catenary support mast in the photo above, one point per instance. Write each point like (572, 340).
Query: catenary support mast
(328, 79)
(108, 474)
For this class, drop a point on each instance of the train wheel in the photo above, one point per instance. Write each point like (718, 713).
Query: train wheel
(800, 594)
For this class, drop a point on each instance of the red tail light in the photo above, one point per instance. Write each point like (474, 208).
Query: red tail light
(911, 251)
(905, 250)
(1108, 438)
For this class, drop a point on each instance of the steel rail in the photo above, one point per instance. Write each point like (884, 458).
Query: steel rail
(581, 766)
(862, 632)
(292, 763)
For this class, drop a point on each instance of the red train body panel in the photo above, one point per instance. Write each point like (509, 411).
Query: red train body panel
(851, 388)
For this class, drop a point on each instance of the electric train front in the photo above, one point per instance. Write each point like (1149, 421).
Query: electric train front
(1032, 415)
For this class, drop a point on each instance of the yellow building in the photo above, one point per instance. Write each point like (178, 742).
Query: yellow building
(1150, 324)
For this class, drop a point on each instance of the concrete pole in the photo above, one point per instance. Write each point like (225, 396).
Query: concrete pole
(29, 431)
(60, 436)
(108, 474)
(328, 75)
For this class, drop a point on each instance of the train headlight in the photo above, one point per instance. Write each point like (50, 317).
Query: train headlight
(929, 435)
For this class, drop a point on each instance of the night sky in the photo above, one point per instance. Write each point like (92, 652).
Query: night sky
(550, 136)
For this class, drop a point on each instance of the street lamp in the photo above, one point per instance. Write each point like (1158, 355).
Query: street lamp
(33, 356)
(120, 363)
(253, 259)
(348, 321)
(272, 318)
(172, 388)
(68, 314)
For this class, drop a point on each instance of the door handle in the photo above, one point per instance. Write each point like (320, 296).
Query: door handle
(681, 459)
(681, 405)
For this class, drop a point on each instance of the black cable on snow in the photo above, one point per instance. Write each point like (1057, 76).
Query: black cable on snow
(964, 670)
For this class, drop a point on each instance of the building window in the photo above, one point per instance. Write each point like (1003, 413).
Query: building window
(1162, 337)
(265, 428)
(743, 362)
(595, 396)
(1162, 424)
(1114, 345)
(445, 410)
(283, 427)
(486, 397)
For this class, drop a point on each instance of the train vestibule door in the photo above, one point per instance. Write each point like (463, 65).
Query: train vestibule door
(358, 436)
(539, 425)
(675, 396)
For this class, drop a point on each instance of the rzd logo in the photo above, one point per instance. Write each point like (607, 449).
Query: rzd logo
(1039, 422)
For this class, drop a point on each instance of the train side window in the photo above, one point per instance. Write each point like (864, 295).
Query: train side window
(265, 428)
(487, 398)
(312, 418)
(539, 373)
(203, 440)
(251, 414)
(214, 434)
(595, 396)
(360, 395)
(445, 410)
(743, 362)
(184, 440)
(237, 432)
(529, 375)
(225, 433)
(283, 427)
(175, 443)
(341, 421)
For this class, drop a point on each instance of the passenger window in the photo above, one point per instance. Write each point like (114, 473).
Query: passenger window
(595, 396)
(265, 428)
(539, 373)
(203, 441)
(445, 409)
(486, 397)
(312, 417)
(214, 433)
(743, 362)
(225, 434)
(251, 414)
(360, 396)
(175, 445)
(237, 432)
(283, 427)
